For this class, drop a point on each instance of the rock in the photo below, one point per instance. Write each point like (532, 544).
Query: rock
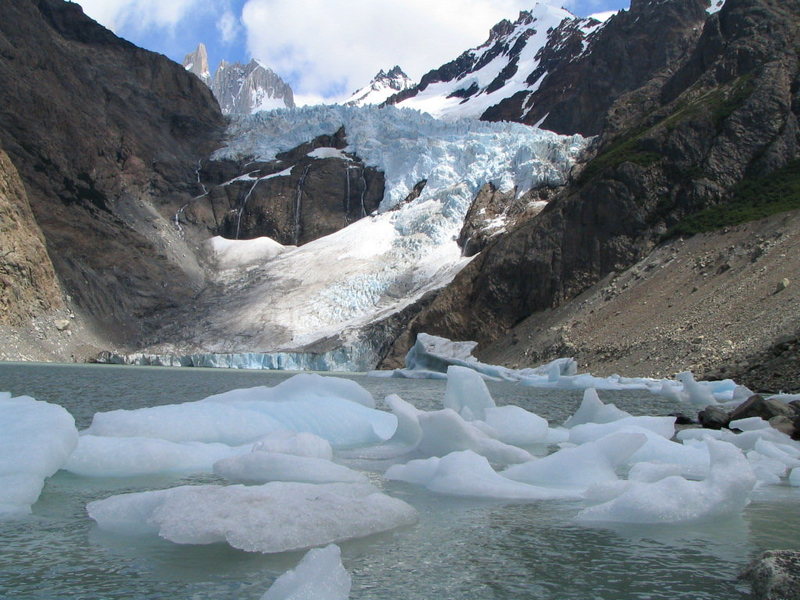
(784, 425)
(713, 417)
(775, 575)
(61, 324)
(782, 285)
(758, 406)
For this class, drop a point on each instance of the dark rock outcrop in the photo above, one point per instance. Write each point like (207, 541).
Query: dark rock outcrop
(105, 137)
(294, 199)
(775, 575)
(724, 111)
(764, 408)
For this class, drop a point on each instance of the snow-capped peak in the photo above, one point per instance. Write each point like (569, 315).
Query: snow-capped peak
(515, 59)
(382, 86)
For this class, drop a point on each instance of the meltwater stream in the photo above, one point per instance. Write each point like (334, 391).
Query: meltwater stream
(460, 549)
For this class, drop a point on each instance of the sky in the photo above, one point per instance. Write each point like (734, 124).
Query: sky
(324, 49)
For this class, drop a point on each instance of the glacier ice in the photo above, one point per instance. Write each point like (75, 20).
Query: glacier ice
(37, 438)
(466, 393)
(579, 467)
(588, 432)
(724, 492)
(466, 473)
(296, 443)
(517, 426)
(592, 410)
(262, 467)
(335, 409)
(271, 518)
(101, 456)
(319, 576)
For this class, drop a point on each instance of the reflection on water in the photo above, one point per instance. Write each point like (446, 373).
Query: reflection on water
(461, 549)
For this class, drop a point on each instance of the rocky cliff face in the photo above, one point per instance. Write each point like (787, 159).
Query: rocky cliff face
(197, 62)
(720, 115)
(28, 283)
(245, 89)
(105, 137)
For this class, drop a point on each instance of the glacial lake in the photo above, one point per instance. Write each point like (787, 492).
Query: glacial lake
(460, 549)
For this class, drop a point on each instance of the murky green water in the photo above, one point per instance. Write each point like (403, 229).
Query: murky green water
(460, 549)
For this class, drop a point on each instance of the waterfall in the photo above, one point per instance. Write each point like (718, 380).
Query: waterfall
(363, 192)
(297, 206)
(241, 208)
(177, 218)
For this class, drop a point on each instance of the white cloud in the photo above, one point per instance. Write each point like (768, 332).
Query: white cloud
(139, 14)
(228, 27)
(333, 48)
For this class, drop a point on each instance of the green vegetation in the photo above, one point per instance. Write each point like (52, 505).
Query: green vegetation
(754, 198)
(625, 150)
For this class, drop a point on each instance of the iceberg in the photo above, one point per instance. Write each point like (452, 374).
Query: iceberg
(271, 518)
(298, 444)
(262, 467)
(37, 438)
(592, 410)
(466, 473)
(725, 492)
(319, 576)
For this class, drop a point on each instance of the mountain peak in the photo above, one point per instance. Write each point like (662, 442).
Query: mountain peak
(197, 62)
(382, 86)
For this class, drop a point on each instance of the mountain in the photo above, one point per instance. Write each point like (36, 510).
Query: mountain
(105, 138)
(241, 89)
(708, 140)
(513, 61)
(382, 86)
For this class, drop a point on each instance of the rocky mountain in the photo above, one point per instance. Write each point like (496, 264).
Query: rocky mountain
(513, 62)
(241, 89)
(709, 139)
(382, 86)
(105, 138)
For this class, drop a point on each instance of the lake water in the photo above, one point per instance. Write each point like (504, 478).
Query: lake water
(460, 549)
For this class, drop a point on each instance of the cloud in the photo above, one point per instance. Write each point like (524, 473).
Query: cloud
(140, 14)
(228, 27)
(333, 48)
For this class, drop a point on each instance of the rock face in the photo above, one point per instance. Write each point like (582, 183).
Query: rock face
(105, 137)
(382, 86)
(775, 575)
(724, 112)
(245, 89)
(197, 62)
(306, 193)
(28, 283)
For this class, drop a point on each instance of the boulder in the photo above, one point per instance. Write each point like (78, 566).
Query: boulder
(758, 406)
(775, 575)
(713, 417)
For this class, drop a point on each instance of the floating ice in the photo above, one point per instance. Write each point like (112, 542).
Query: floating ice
(466, 393)
(749, 424)
(319, 576)
(725, 492)
(517, 426)
(578, 468)
(794, 478)
(592, 410)
(698, 395)
(276, 517)
(332, 408)
(36, 440)
(262, 467)
(99, 456)
(588, 432)
(298, 444)
(785, 453)
(767, 470)
(468, 474)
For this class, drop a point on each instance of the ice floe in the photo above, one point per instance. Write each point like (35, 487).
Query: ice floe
(36, 439)
(319, 576)
(271, 518)
(262, 467)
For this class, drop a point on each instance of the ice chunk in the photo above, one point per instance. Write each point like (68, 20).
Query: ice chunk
(648, 472)
(692, 460)
(696, 393)
(517, 426)
(263, 467)
(592, 410)
(578, 468)
(298, 444)
(767, 470)
(319, 576)
(588, 432)
(749, 424)
(725, 492)
(794, 477)
(786, 454)
(444, 431)
(336, 409)
(467, 391)
(275, 517)
(98, 456)
(36, 440)
(234, 254)
(466, 473)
